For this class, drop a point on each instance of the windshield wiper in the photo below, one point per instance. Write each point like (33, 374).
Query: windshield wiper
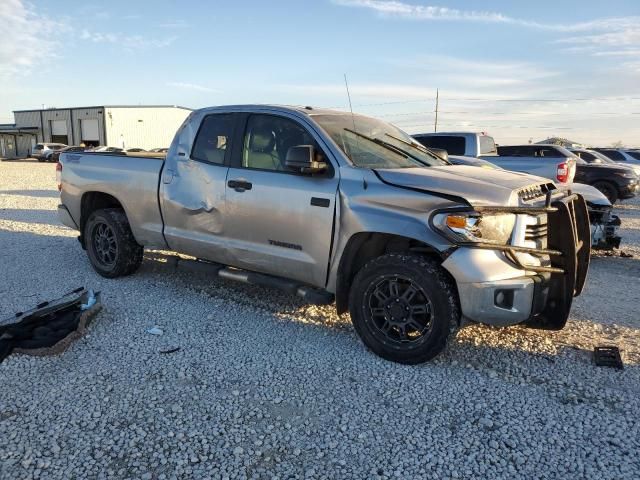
(388, 146)
(420, 148)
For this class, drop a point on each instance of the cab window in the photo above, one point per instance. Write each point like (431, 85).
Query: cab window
(267, 140)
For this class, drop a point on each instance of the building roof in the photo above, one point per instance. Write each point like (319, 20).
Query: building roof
(11, 128)
(563, 142)
(101, 106)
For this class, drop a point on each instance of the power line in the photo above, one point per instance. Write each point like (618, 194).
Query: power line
(513, 100)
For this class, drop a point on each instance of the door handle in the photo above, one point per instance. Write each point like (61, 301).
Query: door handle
(239, 185)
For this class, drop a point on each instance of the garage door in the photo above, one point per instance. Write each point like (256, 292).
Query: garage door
(59, 131)
(90, 131)
(58, 127)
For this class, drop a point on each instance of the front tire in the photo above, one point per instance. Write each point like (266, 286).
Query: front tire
(111, 246)
(403, 307)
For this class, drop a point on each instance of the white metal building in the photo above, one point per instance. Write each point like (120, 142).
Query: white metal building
(124, 126)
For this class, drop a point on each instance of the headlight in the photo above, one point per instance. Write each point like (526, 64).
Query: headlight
(476, 227)
(627, 174)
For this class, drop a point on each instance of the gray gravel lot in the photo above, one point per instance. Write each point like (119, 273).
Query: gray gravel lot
(267, 387)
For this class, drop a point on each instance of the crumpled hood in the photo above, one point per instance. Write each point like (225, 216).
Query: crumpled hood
(478, 186)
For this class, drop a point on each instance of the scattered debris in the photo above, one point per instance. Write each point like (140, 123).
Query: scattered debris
(607, 356)
(620, 253)
(171, 350)
(155, 330)
(51, 326)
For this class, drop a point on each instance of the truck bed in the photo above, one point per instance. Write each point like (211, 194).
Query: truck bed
(132, 179)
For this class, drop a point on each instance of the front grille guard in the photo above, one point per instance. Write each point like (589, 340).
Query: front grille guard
(568, 240)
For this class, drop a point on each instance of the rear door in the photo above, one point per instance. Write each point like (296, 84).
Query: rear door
(192, 191)
(278, 221)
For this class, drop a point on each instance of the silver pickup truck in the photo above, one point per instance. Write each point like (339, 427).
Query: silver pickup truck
(339, 207)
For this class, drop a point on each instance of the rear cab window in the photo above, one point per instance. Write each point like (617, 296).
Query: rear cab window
(214, 138)
(454, 145)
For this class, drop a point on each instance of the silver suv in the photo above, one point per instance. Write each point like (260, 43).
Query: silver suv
(43, 151)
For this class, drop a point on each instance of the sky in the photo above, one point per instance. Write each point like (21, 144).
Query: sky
(517, 70)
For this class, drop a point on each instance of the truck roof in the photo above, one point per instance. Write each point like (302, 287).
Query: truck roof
(308, 110)
(451, 133)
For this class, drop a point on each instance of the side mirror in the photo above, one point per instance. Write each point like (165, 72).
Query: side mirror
(441, 153)
(302, 159)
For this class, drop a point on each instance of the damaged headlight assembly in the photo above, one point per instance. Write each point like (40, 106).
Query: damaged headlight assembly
(470, 226)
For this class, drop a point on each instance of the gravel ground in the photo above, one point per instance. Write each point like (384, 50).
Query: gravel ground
(266, 387)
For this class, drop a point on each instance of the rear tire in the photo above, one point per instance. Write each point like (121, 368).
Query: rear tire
(608, 189)
(111, 246)
(403, 307)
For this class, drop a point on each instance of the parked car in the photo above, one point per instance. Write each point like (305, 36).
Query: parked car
(548, 161)
(135, 150)
(159, 150)
(334, 206)
(622, 156)
(43, 151)
(614, 180)
(55, 156)
(105, 149)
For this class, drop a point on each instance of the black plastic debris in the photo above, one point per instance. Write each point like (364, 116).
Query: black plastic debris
(170, 350)
(608, 356)
(49, 327)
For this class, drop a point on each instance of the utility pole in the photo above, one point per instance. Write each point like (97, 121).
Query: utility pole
(435, 125)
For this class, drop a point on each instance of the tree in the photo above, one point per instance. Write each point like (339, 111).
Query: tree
(617, 144)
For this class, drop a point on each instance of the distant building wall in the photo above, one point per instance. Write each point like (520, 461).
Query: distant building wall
(134, 126)
(143, 127)
(29, 119)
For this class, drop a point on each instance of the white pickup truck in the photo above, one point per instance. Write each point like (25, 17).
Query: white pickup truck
(549, 161)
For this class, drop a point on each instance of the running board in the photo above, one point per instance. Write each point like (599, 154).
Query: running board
(307, 293)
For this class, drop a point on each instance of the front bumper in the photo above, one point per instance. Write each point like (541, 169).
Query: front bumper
(630, 190)
(496, 288)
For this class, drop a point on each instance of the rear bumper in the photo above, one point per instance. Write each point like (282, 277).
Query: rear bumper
(494, 288)
(65, 217)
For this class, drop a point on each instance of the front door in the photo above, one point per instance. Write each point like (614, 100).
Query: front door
(278, 221)
(192, 192)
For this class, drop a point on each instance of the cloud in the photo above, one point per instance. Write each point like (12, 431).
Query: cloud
(626, 39)
(128, 42)
(174, 24)
(22, 46)
(592, 36)
(396, 8)
(478, 74)
(400, 9)
(192, 86)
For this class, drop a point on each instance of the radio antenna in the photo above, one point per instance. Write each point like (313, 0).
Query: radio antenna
(435, 125)
(346, 84)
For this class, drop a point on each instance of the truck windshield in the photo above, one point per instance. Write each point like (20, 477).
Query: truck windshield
(370, 143)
